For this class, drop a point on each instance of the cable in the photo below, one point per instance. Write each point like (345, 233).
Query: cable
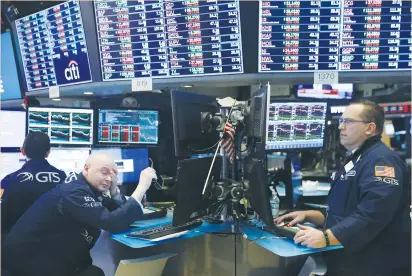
(200, 150)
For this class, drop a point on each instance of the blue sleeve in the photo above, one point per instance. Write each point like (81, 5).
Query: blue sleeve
(80, 205)
(5, 182)
(380, 186)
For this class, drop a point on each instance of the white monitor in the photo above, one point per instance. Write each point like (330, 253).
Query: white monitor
(10, 162)
(13, 128)
(68, 159)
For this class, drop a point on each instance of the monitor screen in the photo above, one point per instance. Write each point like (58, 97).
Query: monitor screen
(9, 80)
(63, 125)
(334, 35)
(53, 47)
(11, 162)
(130, 162)
(13, 128)
(295, 125)
(123, 126)
(341, 91)
(164, 38)
(68, 159)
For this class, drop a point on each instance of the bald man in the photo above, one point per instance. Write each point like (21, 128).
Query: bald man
(55, 235)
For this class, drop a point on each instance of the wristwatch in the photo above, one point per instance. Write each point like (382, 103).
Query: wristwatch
(326, 238)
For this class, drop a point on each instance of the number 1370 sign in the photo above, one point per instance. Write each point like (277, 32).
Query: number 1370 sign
(327, 77)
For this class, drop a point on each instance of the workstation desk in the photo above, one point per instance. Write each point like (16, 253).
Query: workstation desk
(200, 252)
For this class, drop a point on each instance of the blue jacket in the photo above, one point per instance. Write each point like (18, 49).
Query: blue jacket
(369, 213)
(23, 187)
(55, 235)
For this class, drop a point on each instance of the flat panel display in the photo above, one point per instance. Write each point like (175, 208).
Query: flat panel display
(341, 91)
(68, 159)
(295, 125)
(53, 47)
(13, 128)
(163, 38)
(128, 126)
(9, 79)
(63, 125)
(129, 162)
(10, 162)
(334, 35)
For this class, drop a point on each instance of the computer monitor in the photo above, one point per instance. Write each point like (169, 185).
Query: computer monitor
(190, 179)
(13, 128)
(130, 162)
(9, 80)
(295, 125)
(10, 162)
(341, 91)
(127, 126)
(258, 193)
(65, 126)
(187, 128)
(68, 159)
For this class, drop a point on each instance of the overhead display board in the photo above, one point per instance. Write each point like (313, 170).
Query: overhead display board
(53, 47)
(335, 35)
(165, 38)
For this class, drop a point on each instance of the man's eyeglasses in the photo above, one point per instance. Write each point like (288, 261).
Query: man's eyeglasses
(349, 121)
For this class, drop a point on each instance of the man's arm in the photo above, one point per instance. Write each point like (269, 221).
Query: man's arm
(381, 186)
(315, 217)
(81, 206)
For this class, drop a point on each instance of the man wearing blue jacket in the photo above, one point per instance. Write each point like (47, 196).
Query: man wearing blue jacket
(55, 235)
(368, 203)
(36, 177)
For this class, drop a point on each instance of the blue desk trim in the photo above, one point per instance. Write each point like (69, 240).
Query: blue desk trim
(281, 246)
(204, 229)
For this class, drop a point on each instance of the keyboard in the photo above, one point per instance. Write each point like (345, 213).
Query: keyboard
(288, 232)
(163, 230)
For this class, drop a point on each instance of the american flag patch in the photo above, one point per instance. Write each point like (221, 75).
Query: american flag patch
(385, 171)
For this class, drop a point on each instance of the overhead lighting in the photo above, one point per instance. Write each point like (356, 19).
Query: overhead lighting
(187, 85)
(88, 93)
(56, 99)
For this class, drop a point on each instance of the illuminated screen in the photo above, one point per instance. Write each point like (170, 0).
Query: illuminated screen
(11, 162)
(63, 125)
(13, 128)
(295, 125)
(53, 47)
(9, 80)
(68, 159)
(130, 162)
(128, 126)
(162, 38)
(342, 91)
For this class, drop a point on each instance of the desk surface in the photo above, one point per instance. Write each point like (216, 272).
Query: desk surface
(143, 224)
(280, 246)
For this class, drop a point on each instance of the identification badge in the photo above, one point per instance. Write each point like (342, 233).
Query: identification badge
(349, 166)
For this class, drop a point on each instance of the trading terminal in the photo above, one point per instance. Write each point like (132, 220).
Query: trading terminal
(162, 83)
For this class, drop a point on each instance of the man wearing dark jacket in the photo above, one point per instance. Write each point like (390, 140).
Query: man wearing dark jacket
(368, 203)
(55, 235)
(23, 187)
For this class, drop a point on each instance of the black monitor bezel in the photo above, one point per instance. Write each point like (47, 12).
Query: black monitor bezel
(62, 145)
(297, 148)
(97, 143)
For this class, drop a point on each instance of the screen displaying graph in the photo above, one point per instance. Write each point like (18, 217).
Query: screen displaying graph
(295, 125)
(128, 126)
(63, 125)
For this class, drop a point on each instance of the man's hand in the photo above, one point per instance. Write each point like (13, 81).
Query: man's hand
(146, 177)
(310, 237)
(296, 217)
(114, 190)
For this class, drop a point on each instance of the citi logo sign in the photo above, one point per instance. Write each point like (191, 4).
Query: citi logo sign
(72, 71)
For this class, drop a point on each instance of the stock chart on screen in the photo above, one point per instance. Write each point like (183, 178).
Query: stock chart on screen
(295, 125)
(128, 126)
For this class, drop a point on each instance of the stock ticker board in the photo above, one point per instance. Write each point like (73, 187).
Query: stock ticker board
(168, 38)
(53, 47)
(335, 35)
